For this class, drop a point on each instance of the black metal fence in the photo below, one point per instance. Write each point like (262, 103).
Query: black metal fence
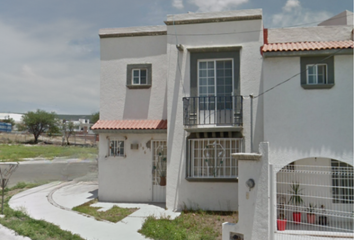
(212, 110)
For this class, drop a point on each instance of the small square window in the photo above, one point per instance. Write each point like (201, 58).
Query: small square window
(139, 76)
(116, 148)
(316, 73)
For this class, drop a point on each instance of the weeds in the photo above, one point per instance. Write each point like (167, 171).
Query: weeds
(19, 152)
(190, 225)
(115, 214)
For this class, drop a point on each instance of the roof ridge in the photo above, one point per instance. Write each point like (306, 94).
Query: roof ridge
(310, 42)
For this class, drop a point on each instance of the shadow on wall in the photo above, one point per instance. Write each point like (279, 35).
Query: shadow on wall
(258, 118)
(137, 103)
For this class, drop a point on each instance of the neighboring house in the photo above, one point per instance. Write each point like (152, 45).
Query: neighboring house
(308, 120)
(81, 122)
(175, 104)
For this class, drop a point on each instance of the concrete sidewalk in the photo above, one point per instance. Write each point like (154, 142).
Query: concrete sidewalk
(9, 234)
(53, 202)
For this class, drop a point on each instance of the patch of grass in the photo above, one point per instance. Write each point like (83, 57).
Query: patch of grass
(115, 214)
(16, 153)
(190, 225)
(21, 223)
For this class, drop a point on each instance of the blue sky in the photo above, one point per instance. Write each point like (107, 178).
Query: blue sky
(50, 49)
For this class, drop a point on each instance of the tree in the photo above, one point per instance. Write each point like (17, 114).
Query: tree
(39, 122)
(95, 117)
(68, 130)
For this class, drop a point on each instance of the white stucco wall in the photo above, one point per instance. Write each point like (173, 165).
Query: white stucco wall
(207, 195)
(254, 218)
(301, 123)
(318, 33)
(126, 179)
(116, 100)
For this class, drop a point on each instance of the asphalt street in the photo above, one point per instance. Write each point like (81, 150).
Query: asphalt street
(41, 171)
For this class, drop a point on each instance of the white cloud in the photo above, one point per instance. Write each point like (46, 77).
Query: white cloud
(291, 4)
(216, 5)
(293, 14)
(178, 4)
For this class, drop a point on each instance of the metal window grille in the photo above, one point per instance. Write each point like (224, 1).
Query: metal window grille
(326, 205)
(211, 157)
(116, 148)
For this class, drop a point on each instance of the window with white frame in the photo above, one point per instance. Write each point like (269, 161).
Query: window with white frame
(342, 182)
(139, 76)
(116, 148)
(215, 78)
(210, 158)
(317, 74)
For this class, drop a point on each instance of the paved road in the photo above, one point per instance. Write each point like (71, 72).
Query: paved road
(41, 171)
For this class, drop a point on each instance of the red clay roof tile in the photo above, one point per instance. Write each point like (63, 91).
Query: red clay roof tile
(129, 125)
(307, 46)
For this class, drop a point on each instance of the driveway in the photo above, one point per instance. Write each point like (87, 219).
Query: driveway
(53, 202)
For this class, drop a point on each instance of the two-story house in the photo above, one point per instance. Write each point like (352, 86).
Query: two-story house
(172, 110)
(308, 118)
(177, 100)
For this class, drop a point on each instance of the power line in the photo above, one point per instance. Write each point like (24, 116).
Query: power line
(277, 85)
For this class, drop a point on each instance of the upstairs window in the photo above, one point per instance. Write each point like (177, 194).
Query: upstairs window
(139, 76)
(317, 74)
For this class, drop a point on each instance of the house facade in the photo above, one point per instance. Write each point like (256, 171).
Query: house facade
(191, 72)
(178, 100)
(308, 121)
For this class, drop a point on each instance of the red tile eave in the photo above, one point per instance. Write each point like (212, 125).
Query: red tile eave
(130, 125)
(307, 46)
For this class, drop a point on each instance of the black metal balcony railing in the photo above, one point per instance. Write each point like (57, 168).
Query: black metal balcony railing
(212, 110)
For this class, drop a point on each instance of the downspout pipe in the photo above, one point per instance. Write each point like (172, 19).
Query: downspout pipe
(251, 96)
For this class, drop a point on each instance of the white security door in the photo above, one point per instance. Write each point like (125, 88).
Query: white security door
(159, 171)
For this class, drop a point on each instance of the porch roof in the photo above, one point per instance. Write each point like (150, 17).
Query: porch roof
(307, 46)
(130, 125)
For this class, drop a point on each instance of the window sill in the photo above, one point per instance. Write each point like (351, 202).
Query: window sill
(115, 157)
(317, 86)
(190, 179)
(139, 86)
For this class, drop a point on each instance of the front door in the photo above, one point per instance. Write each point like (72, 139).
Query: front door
(215, 89)
(159, 171)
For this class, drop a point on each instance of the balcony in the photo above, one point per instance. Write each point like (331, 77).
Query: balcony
(212, 111)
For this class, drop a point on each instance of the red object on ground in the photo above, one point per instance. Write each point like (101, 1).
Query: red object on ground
(281, 224)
